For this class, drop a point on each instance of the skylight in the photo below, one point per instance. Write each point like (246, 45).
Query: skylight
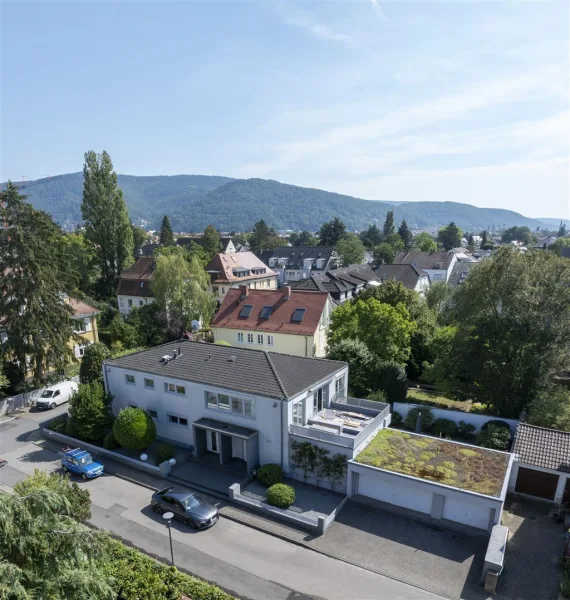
(298, 315)
(245, 311)
(266, 312)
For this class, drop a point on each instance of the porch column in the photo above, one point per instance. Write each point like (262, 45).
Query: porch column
(559, 495)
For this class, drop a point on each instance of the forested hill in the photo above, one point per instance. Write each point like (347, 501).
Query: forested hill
(195, 201)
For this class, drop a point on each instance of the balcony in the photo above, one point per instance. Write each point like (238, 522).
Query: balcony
(347, 422)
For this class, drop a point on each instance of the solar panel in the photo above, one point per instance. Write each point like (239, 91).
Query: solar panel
(266, 312)
(245, 311)
(298, 315)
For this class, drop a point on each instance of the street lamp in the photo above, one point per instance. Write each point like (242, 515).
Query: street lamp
(169, 516)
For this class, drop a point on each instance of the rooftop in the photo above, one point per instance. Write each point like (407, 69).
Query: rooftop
(268, 374)
(547, 448)
(224, 267)
(272, 310)
(460, 272)
(407, 274)
(81, 309)
(342, 422)
(425, 260)
(295, 256)
(465, 467)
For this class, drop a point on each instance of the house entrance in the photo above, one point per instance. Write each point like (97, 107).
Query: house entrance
(212, 441)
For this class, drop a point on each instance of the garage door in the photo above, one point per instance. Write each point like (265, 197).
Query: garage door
(536, 483)
(457, 509)
(387, 490)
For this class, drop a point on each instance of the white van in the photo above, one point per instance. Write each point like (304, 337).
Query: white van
(56, 394)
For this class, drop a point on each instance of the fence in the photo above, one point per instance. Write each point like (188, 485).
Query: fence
(13, 404)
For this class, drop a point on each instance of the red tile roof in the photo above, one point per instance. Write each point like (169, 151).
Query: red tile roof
(135, 281)
(80, 309)
(222, 267)
(282, 310)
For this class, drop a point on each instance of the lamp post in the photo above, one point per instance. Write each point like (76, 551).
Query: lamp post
(169, 516)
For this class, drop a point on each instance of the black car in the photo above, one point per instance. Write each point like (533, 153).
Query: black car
(186, 506)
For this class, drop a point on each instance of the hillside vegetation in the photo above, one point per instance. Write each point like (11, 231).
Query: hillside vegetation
(195, 201)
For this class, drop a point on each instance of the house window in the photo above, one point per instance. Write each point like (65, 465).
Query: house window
(176, 420)
(238, 406)
(339, 387)
(320, 399)
(149, 383)
(260, 338)
(130, 379)
(121, 302)
(153, 413)
(215, 289)
(270, 340)
(79, 326)
(172, 388)
(223, 402)
(130, 302)
(3, 337)
(212, 400)
(250, 338)
(249, 408)
(240, 338)
(299, 412)
(223, 290)
(141, 302)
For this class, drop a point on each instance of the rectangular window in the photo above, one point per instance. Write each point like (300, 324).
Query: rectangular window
(223, 402)
(249, 408)
(240, 338)
(299, 413)
(121, 301)
(270, 340)
(211, 400)
(339, 386)
(149, 383)
(130, 379)
(141, 302)
(250, 338)
(170, 387)
(176, 420)
(79, 326)
(152, 413)
(260, 338)
(237, 406)
(130, 302)
(180, 389)
(320, 399)
(3, 337)
(223, 290)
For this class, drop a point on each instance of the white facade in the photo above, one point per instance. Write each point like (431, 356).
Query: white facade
(127, 303)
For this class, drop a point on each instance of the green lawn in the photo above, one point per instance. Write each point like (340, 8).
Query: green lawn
(434, 399)
(469, 468)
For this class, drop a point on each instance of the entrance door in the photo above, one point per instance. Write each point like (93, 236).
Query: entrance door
(536, 483)
(212, 441)
(237, 448)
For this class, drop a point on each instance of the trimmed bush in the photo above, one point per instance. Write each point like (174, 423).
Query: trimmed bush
(390, 377)
(270, 474)
(396, 419)
(444, 427)
(109, 441)
(58, 425)
(496, 423)
(495, 437)
(378, 396)
(426, 418)
(164, 452)
(134, 428)
(280, 495)
(465, 430)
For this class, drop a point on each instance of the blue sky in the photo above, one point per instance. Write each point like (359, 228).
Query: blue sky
(447, 100)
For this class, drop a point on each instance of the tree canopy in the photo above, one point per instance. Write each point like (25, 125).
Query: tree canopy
(517, 234)
(331, 232)
(450, 236)
(304, 238)
(264, 237)
(371, 237)
(350, 250)
(405, 234)
(211, 241)
(389, 226)
(424, 242)
(166, 236)
(91, 368)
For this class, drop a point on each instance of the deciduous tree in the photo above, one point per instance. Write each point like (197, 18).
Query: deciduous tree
(384, 254)
(140, 236)
(449, 236)
(371, 237)
(424, 242)
(211, 241)
(91, 368)
(304, 238)
(350, 250)
(264, 237)
(331, 232)
(389, 226)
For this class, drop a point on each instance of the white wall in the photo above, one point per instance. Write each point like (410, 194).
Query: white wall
(123, 302)
(454, 415)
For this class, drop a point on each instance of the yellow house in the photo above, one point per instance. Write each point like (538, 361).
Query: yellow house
(285, 320)
(84, 325)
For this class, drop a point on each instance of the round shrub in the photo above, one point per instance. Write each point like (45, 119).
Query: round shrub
(495, 437)
(444, 427)
(396, 419)
(164, 452)
(270, 474)
(496, 423)
(391, 378)
(134, 428)
(280, 495)
(465, 430)
(412, 417)
(109, 441)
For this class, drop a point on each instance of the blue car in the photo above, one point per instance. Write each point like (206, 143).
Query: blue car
(81, 463)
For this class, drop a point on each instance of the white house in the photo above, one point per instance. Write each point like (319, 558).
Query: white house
(239, 403)
(134, 285)
(438, 265)
(411, 276)
(294, 263)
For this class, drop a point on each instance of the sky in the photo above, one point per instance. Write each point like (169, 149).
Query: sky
(449, 100)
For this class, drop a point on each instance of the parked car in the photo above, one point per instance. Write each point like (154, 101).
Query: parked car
(186, 506)
(56, 394)
(81, 463)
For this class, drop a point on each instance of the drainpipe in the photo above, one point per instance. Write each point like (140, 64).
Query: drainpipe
(282, 405)
(306, 346)
(105, 378)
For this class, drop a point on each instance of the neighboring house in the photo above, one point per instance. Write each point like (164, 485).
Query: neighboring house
(542, 463)
(227, 243)
(544, 242)
(294, 263)
(460, 272)
(84, 325)
(244, 405)
(134, 285)
(438, 265)
(237, 269)
(338, 290)
(147, 249)
(284, 320)
(565, 252)
(410, 276)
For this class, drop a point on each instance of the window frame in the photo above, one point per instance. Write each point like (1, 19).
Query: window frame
(250, 338)
(260, 339)
(240, 337)
(133, 382)
(237, 405)
(270, 340)
(148, 387)
(174, 419)
(150, 410)
(175, 388)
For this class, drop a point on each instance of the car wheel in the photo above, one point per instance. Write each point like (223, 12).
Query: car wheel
(191, 523)
(83, 476)
(52, 405)
(158, 509)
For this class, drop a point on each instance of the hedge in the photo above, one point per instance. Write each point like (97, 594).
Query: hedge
(412, 417)
(281, 495)
(134, 428)
(270, 474)
(444, 427)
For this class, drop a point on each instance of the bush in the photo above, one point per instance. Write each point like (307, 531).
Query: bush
(444, 427)
(392, 380)
(134, 428)
(426, 418)
(91, 368)
(109, 441)
(465, 430)
(270, 474)
(495, 437)
(280, 495)
(90, 412)
(164, 452)
(58, 425)
(70, 429)
(496, 423)
(396, 419)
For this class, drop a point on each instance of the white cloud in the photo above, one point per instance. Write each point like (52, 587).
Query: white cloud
(379, 10)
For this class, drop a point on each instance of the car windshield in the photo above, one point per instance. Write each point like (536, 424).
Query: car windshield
(47, 394)
(192, 502)
(85, 460)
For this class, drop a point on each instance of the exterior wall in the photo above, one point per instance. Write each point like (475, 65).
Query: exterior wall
(88, 337)
(125, 308)
(230, 248)
(260, 283)
(454, 415)
(192, 406)
(422, 285)
(562, 478)
(441, 274)
(286, 343)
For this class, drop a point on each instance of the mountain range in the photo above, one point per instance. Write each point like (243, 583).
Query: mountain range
(195, 201)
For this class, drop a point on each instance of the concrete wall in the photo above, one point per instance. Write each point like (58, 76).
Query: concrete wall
(454, 415)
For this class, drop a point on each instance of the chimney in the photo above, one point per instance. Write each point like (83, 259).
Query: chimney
(287, 292)
(244, 292)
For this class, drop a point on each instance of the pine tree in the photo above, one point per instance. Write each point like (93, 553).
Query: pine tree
(389, 227)
(36, 275)
(483, 238)
(166, 236)
(562, 229)
(211, 241)
(406, 235)
(107, 224)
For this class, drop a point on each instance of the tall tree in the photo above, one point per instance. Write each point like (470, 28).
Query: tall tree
(264, 237)
(389, 226)
(517, 234)
(81, 255)
(140, 236)
(384, 254)
(424, 242)
(211, 241)
(107, 224)
(449, 236)
(36, 272)
(562, 229)
(331, 232)
(371, 237)
(304, 238)
(405, 234)
(471, 242)
(166, 235)
(350, 250)
(483, 238)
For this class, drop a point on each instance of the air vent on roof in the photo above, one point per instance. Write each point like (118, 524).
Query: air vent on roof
(232, 359)
(301, 253)
(166, 359)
